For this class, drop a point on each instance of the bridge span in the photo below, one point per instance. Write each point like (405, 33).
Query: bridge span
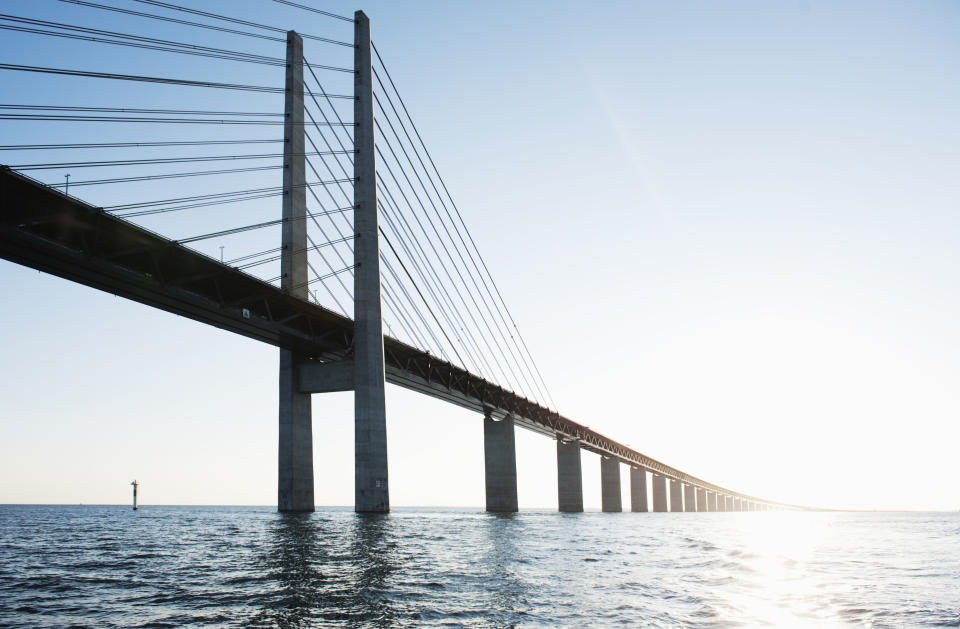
(44, 229)
(321, 350)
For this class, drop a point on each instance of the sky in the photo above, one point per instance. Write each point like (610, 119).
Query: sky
(727, 231)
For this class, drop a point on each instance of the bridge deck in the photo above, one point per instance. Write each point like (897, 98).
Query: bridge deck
(44, 229)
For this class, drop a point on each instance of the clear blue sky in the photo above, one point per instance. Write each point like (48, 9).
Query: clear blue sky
(728, 231)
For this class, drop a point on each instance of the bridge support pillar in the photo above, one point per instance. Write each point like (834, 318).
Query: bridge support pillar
(295, 443)
(610, 493)
(689, 498)
(711, 501)
(569, 476)
(659, 493)
(638, 490)
(676, 495)
(371, 489)
(701, 499)
(500, 464)
(295, 449)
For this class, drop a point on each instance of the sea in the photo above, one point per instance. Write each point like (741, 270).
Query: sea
(167, 566)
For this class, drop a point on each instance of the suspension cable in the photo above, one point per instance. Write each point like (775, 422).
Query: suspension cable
(140, 162)
(190, 206)
(486, 342)
(196, 173)
(432, 281)
(306, 8)
(509, 361)
(245, 228)
(137, 119)
(174, 47)
(460, 217)
(174, 7)
(153, 79)
(127, 110)
(202, 197)
(164, 18)
(50, 147)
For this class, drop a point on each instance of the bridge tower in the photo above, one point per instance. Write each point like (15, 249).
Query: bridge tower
(370, 416)
(363, 371)
(295, 460)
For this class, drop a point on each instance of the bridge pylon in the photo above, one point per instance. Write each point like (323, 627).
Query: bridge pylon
(371, 489)
(362, 370)
(295, 451)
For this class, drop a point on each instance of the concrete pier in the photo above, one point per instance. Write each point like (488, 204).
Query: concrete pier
(659, 493)
(638, 490)
(500, 464)
(712, 501)
(722, 502)
(702, 499)
(371, 489)
(295, 442)
(610, 494)
(676, 495)
(569, 477)
(689, 498)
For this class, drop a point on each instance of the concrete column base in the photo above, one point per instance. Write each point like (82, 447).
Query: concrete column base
(295, 444)
(676, 495)
(659, 493)
(610, 493)
(569, 477)
(500, 464)
(638, 490)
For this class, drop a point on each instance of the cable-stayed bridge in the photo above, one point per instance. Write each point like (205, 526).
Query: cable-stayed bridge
(358, 265)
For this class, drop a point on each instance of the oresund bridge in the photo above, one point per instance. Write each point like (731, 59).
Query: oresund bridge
(360, 197)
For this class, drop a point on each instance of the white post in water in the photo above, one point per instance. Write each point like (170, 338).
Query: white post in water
(134, 483)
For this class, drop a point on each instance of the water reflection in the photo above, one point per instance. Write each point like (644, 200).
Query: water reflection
(322, 572)
(373, 556)
(507, 590)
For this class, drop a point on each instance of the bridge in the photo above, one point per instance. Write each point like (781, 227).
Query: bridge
(322, 350)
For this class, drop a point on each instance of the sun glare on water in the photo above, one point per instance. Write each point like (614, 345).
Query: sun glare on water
(776, 584)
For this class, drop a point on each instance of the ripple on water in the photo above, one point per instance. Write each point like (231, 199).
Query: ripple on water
(252, 567)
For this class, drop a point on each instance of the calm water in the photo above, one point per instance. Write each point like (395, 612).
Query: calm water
(252, 567)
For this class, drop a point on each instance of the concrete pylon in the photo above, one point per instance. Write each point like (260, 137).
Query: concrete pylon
(610, 493)
(676, 495)
(371, 488)
(295, 442)
(500, 464)
(659, 493)
(689, 498)
(569, 476)
(712, 501)
(702, 499)
(638, 489)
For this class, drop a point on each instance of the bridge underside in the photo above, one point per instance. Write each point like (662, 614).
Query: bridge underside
(44, 229)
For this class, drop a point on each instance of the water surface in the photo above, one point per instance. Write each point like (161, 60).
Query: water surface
(108, 566)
